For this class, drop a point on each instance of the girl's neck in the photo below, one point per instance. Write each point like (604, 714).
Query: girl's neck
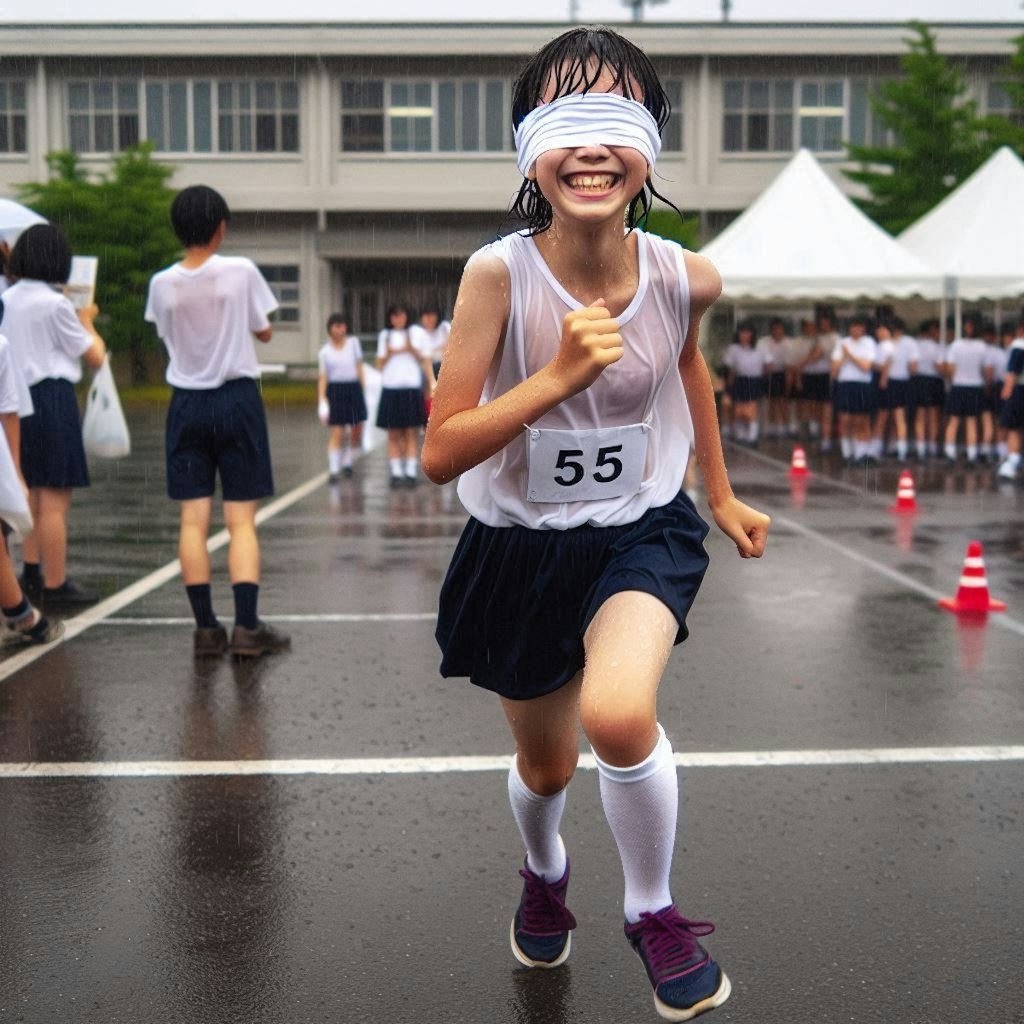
(599, 262)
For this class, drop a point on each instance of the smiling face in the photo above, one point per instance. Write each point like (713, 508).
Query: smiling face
(595, 182)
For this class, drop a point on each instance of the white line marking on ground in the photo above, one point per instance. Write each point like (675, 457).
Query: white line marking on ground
(996, 618)
(325, 617)
(113, 604)
(500, 763)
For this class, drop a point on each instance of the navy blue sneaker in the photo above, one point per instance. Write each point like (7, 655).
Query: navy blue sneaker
(687, 982)
(540, 932)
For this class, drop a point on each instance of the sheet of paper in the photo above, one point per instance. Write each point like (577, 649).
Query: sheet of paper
(81, 286)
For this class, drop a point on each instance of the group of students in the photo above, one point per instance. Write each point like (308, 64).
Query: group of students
(43, 343)
(409, 357)
(878, 389)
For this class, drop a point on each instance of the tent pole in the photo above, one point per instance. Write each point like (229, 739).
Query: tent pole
(958, 318)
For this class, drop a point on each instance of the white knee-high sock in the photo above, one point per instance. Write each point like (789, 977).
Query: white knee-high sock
(538, 818)
(641, 804)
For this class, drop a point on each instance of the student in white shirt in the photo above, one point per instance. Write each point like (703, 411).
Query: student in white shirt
(995, 363)
(816, 380)
(896, 361)
(746, 364)
(341, 402)
(965, 367)
(852, 361)
(795, 355)
(404, 361)
(773, 344)
(572, 388)
(49, 341)
(208, 308)
(1011, 416)
(23, 621)
(436, 329)
(929, 390)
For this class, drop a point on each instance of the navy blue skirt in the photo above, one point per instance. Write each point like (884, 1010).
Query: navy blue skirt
(347, 403)
(895, 395)
(401, 408)
(747, 389)
(776, 385)
(1011, 416)
(816, 387)
(963, 400)
(852, 396)
(929, 391)
(52, 454)
(516, 602)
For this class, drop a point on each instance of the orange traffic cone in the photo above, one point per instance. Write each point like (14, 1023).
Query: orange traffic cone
(798, 465)
(972, 596)
(906, 496)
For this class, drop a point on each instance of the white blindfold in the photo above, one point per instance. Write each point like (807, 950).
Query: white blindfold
(587, 119)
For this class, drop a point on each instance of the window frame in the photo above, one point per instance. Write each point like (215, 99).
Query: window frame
(272, 274)
(11, 114)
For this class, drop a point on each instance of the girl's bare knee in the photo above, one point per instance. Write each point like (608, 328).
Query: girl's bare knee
(546, 776)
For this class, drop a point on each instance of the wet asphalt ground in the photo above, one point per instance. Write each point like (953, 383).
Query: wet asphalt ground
(153, 872)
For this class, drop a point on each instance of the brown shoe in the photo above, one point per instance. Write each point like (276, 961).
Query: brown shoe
(264, 639)
(209, 641)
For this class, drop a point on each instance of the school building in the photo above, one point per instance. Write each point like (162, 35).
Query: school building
(364, 162)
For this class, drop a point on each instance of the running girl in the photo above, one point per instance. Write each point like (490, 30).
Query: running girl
(575, 573)
(341, 404)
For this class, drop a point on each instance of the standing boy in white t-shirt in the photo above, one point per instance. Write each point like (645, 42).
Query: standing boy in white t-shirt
(207, 309)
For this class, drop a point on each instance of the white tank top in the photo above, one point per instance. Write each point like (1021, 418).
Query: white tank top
(643, 386)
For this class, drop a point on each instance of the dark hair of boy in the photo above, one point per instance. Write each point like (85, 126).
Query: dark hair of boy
(897, 324)
(196, 213)
(859, 318)
(574, 62)
(397, 308)
(337, 319)
(42, 253)
(431, 307)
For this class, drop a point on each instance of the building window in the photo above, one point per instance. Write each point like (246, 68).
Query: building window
(283, 279)
(13, 118)
(103, 115)
(998, 102)
(185, 116)
(455, 115)
(758, 115)
(822, 110)
(865, 126)
(672, 134)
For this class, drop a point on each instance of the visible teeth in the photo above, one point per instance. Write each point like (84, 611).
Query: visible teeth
(593, 182)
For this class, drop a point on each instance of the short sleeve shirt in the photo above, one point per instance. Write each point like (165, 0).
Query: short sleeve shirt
(206, 317)
(403, 369)
(863, 348)
(341, 364)
(47, 338)
(14, 393)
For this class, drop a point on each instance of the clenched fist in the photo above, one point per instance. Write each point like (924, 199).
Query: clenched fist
(590, 342)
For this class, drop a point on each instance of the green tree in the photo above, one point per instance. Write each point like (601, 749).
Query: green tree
(123, 218)
(667, 223)
(939, 139)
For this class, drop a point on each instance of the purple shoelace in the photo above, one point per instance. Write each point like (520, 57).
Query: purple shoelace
(670, 943)
(543, 910)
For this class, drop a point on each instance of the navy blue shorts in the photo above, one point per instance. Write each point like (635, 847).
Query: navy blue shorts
(776, 385)
(347, 403)
(222, 430)
(52, 454)
(516, 602)
(852, 396)
(401, 408)
(895, 395)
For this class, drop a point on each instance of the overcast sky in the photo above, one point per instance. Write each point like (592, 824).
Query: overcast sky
(515, 10)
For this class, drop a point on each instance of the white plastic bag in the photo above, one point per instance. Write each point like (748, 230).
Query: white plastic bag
(104, 429)
(14, 508)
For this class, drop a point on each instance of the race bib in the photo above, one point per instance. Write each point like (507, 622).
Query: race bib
(586, 465)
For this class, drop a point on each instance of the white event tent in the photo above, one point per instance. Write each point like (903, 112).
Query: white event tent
(802, 238)
(976, 234)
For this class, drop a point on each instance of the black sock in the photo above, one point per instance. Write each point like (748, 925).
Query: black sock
(245, 604)
(19, 611)
(201, 599)
(31, 571)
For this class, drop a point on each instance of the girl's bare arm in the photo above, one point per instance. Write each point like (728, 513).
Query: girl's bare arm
(462, 433)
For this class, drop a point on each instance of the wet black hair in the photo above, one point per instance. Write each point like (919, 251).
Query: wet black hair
(42, 253)
(196, 213)
(398, 307)
(860, 318)
(777, 320)
(336, 318)
(575, 61)
(431, 307)
(897, 323)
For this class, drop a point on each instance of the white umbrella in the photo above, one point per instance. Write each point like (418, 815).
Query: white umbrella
(14, 218)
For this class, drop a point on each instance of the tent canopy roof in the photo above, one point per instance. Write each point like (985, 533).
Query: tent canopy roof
(802, 238)
(976, 234)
